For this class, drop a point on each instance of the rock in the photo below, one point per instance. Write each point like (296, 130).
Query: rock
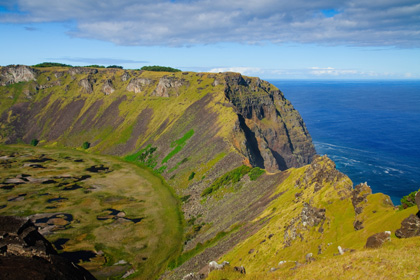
(14, 181)
(273, 269)
(240, 269)
(128, 273)
(359, 195)
(86, 86)
(165, 84)
(358, 225)
(281, 263)
(378, 239)
(26, 254)
(107, 87)
(193, 276)
(214, 265)
(120, 262)
(410, 227)
(13, 74)
(125, 77)
(309, 258)
(312, 216)
(340, 250)
(137, 85)
(82, 70)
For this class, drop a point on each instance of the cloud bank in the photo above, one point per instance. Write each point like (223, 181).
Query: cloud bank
(393, 23)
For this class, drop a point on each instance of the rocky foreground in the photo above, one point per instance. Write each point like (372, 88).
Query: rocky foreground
(26, 254)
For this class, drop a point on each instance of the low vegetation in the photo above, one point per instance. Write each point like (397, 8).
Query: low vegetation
(51, 64)
(110, 211)
(160, 68)
(408, 200)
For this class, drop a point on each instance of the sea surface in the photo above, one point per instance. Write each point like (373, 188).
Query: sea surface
(371, 129)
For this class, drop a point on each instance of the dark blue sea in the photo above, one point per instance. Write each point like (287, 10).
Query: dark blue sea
(371, 129)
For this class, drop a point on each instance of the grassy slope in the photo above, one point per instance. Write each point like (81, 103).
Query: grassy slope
(128, 188)
(259, 253)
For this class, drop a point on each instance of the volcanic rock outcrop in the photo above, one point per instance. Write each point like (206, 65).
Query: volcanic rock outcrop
(26, 254)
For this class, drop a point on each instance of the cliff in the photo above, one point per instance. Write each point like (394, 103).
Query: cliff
(120, 112)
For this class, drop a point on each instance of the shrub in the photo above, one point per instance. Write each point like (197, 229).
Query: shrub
(160, 68)
(191, 176)
(255, 173)
(51, 64)
(115, 66)
(408, 200)
(34, 142)
(86, 145)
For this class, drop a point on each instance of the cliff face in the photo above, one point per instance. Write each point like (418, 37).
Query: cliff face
(60, 105)
(276, 136)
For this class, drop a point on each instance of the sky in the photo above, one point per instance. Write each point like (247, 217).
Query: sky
(272, 39)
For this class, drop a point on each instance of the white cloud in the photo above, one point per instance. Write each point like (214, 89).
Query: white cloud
(189, 22)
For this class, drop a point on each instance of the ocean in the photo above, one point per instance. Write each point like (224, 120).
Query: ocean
(371, 129)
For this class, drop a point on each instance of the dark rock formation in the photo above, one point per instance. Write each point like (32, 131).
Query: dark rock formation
(359, 195)
(16, 73)
(26, 254)
(282, 141)
(378, 239)
(410, 227)
(358, 199)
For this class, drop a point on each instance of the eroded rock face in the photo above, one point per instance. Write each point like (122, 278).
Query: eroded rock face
(16, 73)
(359, 195)
(26, 254)
(410, 227)
(378, 239)
(86, 85)
(107, 87)
(166, 84)
(137, 85)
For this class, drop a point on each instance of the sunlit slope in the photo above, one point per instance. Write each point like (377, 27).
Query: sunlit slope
(315, 213)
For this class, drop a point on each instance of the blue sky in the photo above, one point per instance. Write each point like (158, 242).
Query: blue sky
(319, 39)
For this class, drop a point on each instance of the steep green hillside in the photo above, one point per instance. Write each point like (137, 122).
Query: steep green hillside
(316, 211)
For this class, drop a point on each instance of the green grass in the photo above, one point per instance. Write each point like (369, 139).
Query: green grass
(255, 173)
(230, 177)
(178, 144)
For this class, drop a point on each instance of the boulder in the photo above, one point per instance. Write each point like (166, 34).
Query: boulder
(410, 227)
(378, 239)
(215, 266)
(240, 269)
